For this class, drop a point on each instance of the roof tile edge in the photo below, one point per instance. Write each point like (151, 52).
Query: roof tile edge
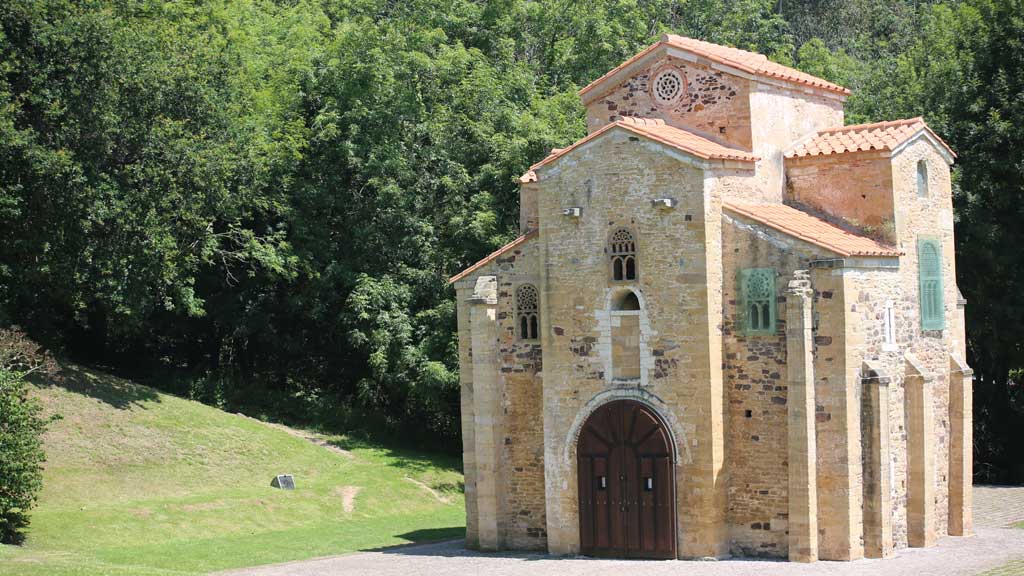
(667, 40)
(487, 259)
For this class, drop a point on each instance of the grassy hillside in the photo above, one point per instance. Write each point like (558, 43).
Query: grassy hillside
(140, 483)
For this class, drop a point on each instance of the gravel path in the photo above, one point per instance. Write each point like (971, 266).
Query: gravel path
(994, 548)
(998, 506)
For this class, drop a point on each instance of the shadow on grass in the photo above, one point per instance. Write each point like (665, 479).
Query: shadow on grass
(408, 460)
(111, 390)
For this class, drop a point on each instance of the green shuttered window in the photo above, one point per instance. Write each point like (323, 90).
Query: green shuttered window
(929, 272)
(757, 291)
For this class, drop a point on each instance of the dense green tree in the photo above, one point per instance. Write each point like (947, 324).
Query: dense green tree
(140, 147)
(256, 203)
(978, 88)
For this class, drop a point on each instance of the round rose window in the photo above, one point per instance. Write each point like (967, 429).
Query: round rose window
(667, 87)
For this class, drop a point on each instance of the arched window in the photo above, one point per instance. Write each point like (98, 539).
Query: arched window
(627, 301)
(527, 320)
(626, 336)
(622, 249)
(922, 179)
(757, 290)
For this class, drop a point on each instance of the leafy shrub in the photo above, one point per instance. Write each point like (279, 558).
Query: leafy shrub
(21, 429)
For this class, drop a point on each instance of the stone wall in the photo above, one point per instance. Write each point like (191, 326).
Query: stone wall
(714, 102)
(614, 181)
(869, 289)
(463, 293)
(522, 450)
(781, 116)
(722, 393)
(755, 380)
(928, 217)
(527, 207)
(856, 188)
(517, 454)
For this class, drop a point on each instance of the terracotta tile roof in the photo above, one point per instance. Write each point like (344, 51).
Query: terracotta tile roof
(801, 225)
(490, 257)
(749, 62)
(656, 129)
(863, 138)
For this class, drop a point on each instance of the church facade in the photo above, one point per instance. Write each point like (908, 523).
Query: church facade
(730, 327)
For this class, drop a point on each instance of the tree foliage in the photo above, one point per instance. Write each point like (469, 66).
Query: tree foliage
(21, 429)
(257, 203)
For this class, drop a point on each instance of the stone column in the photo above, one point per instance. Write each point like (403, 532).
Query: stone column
(486, 415)
(803, 489)
(838, 341)
(960, 328)
(878, 541)
(920, 456)
(463, 294)
(961, 442)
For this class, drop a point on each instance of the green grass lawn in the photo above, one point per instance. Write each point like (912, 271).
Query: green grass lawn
(143, 483)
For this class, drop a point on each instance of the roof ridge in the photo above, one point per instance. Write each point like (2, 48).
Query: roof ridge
(873, 125)
(530, 234)
(812, 229)
(888, 135)
(663, 133)
(701, 133)
(746, 61)
(645, 130)
(683, 40)
(641, 120)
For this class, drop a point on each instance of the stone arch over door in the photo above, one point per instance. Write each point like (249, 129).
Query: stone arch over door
(626, 485)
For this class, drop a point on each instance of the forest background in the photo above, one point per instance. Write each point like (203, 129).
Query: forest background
(257, 203)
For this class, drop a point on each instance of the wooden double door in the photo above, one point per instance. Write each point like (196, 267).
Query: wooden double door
(626, 484)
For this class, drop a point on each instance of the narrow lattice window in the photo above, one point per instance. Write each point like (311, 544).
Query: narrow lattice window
(890, 325)
(622, 249)
(526, 312)
(922, 179)
(889, 320)
(929, 270)
(757, 291)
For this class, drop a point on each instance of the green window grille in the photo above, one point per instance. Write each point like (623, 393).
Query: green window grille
(757, 290)
(929, 271)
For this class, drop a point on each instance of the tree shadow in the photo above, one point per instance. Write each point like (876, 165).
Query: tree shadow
(424, 536)
(111, 390)
(408, 460)
(450, 543)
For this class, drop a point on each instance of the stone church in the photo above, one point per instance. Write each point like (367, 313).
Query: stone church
(730, 327)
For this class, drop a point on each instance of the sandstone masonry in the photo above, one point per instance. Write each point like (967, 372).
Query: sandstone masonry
(777, 288)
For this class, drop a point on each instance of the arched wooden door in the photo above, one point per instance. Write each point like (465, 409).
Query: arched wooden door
(626, 484)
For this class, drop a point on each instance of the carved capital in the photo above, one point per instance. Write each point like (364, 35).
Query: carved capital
(800, 285)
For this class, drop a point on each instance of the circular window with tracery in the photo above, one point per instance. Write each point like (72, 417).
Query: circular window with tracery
(760, 286)
(667, 87)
